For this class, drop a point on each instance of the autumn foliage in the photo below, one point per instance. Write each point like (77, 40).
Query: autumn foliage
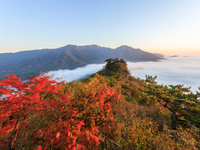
(109, 110)
(35, 115)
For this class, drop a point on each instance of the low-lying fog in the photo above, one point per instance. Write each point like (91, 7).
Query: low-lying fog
(174, 70)
(76, 74)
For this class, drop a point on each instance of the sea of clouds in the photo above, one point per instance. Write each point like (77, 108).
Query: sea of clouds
(173, 70)
(76, 74)
(184, 70)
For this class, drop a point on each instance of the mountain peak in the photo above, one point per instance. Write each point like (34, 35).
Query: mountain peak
(124, 47)
(92, 46)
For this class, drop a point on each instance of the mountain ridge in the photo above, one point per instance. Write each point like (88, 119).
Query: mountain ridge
(30, 63)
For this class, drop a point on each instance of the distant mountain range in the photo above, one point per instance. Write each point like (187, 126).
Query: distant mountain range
(30, 63)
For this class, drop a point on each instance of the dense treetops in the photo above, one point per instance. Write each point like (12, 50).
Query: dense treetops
(109, 110)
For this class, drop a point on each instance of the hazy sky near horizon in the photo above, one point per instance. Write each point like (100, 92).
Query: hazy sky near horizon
(162, 26)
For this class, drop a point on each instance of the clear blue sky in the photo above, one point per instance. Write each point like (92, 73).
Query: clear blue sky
(163, 26)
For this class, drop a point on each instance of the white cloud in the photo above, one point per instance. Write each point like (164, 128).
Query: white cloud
(177, 70)
(81, 72)
(173, 70)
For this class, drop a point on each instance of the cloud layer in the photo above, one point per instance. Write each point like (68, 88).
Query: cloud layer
(173, 70)
(76, 74)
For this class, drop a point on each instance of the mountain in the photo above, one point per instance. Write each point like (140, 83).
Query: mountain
(30, 63)
(159, 55)
(8, 58)
(110, 110)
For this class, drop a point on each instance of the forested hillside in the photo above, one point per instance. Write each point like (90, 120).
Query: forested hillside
(31, 63)
(109, 110)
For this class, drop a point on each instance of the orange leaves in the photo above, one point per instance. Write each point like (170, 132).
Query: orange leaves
(117, 96)
(58, 135)
(80, 124)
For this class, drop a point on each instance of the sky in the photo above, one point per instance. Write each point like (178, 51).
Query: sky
(160, 26)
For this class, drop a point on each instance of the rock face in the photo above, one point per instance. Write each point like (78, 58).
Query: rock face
(30, 63)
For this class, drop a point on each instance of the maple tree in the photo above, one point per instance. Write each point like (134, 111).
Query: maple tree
(35, 114)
